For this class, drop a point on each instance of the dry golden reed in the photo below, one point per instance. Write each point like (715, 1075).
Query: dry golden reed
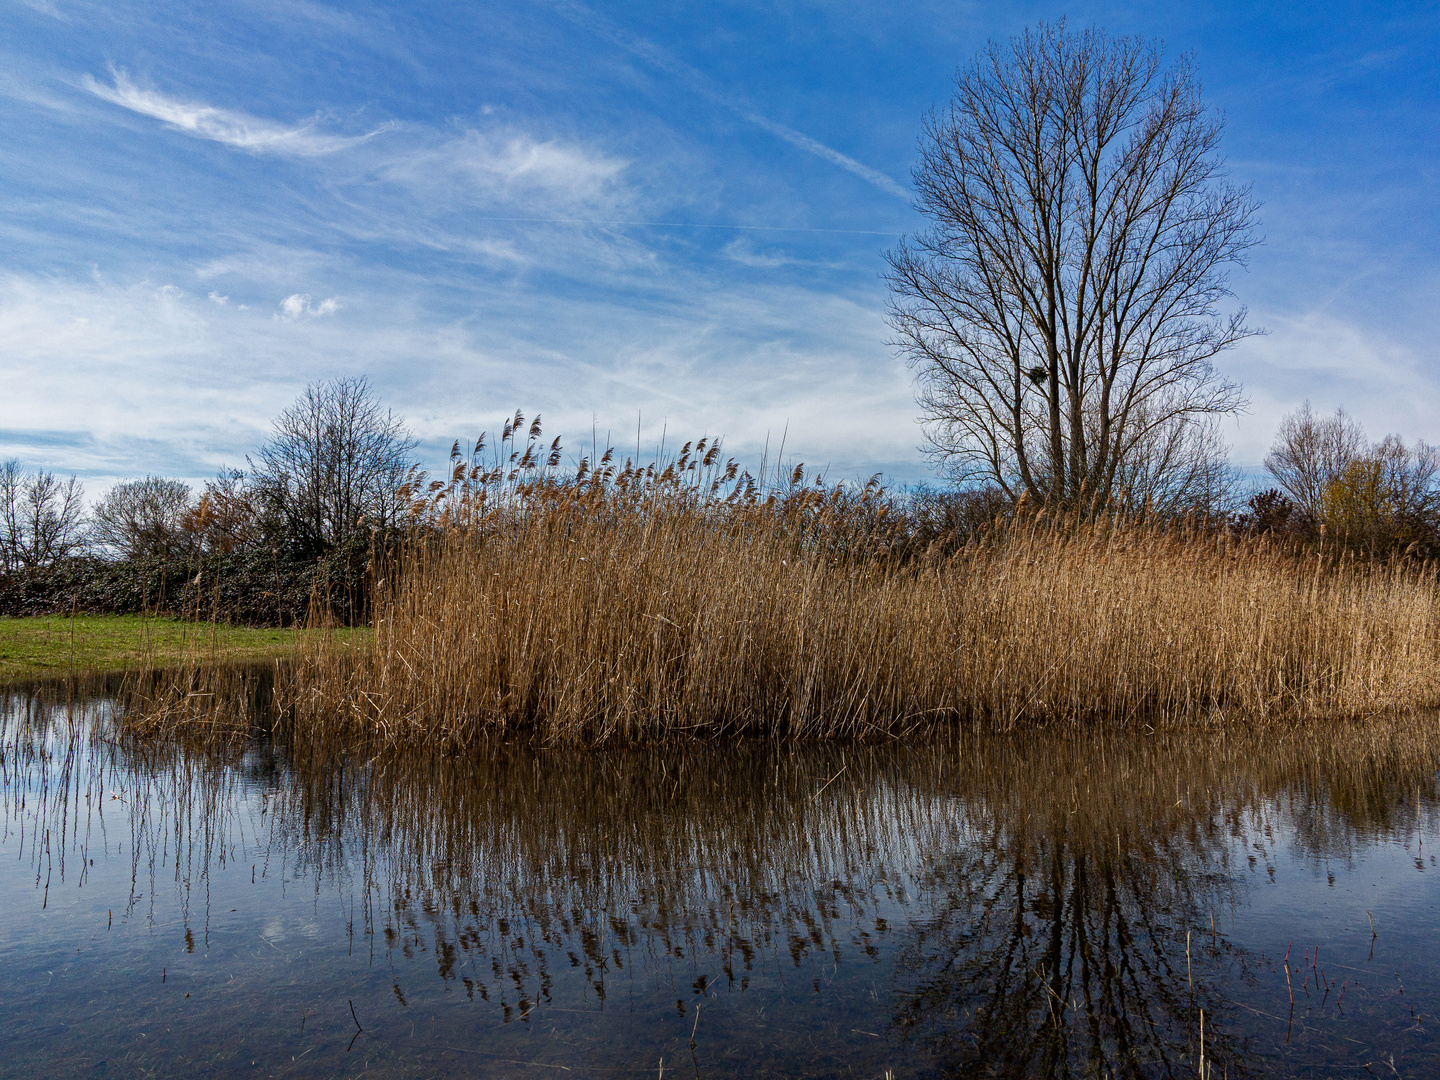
(578, 613)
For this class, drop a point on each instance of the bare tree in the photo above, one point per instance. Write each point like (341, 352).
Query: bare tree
(1409, 477)
(232, 516)
(41, 517)
(1310, 453)
(1063, 308)
(144, 519)
(333, 465)
(1382, 496)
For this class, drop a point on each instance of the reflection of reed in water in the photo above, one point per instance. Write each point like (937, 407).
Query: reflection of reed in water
(1027, 900)
(714, 862)
(1045, 886)
(72, 770)
(206, 704)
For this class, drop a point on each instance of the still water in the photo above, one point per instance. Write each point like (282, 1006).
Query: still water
(1051, 904)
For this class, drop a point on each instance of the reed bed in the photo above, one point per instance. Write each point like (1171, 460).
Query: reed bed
(637, 609)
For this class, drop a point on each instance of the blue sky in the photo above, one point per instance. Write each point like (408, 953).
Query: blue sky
(616, 213)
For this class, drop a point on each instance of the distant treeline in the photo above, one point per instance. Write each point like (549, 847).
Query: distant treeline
(338, 484)
(256, 545)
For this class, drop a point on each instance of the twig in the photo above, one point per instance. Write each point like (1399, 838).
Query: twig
(358, 1028)
(828, 782)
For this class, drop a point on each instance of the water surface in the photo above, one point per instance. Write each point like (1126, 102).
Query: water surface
(1042, 904)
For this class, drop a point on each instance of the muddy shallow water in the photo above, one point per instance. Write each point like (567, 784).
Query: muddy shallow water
(1052, 904)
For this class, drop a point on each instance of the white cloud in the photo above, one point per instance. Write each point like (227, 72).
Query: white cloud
(216, 298)
(742, 251)
(513, 164)
(298, 306)
(223, 125)
(1333, 362)
(45, 8)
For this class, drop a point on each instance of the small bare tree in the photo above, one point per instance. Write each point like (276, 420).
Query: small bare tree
(333, 466)
(1063, 308)
(1381, 496)
(144, 519)
(232, 516)
(1177, 468)
(1311, 452)
(41, 518)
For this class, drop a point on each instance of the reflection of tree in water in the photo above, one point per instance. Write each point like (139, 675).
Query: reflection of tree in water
(1075, 931)
(1049, 956)
(1034, 892)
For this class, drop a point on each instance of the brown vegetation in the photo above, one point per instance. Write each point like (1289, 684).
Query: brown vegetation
(652, 602)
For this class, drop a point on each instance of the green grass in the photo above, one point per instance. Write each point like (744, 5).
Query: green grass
(49, 646)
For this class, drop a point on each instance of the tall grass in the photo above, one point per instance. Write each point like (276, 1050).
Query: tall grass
(643, 603)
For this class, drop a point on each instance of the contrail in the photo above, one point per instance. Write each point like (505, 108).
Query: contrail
(664, 60)
(683, 225)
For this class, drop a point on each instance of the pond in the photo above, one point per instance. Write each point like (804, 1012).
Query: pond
(1057, 903)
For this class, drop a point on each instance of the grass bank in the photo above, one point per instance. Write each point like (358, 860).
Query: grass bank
(590, 614)
(54, 646)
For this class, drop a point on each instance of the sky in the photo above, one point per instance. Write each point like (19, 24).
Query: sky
(639, 221)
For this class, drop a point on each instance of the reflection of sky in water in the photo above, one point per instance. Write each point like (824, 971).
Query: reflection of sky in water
(1012, 905)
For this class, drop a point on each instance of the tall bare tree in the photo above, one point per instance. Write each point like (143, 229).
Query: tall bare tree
(1063, 307)
(333, 465)
(41, 517)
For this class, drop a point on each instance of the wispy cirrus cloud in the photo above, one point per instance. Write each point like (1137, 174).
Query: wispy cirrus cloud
(513, 164)
(45, 8)
(668, 62)
(228, 126)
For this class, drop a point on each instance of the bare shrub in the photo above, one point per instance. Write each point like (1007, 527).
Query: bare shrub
(1382, 497)
(233, 517)
(1311, 452)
